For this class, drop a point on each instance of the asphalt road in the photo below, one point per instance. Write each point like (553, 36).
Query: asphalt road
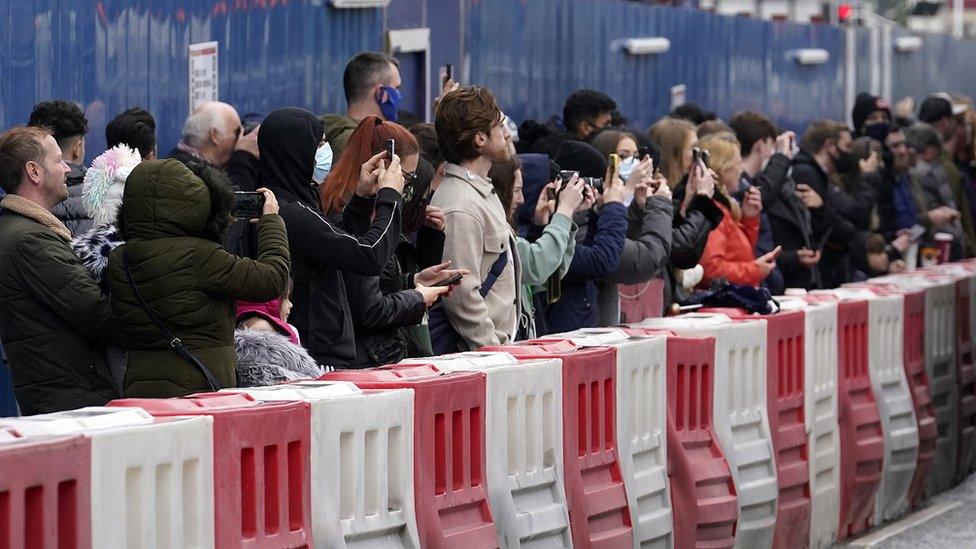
(954, 528)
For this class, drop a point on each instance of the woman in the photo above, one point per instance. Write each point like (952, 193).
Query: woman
(695, 214)
(322, 248)
(649, 217)
(172, 278)
(388, 309)
(552, 252)
(729, 253)
(676, 138)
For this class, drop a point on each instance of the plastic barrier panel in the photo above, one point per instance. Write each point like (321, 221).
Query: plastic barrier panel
(45, 491)
(913, 348)
(740, 416)
(640, 301)
(965, 369)
(598, 512)
(260, 466)
(890, 385)
(524, 440)
(940, 366)
(820, 403)
(152, 480)
(785, 379)
(450, 496)
(362, 466)
(861, 437)
(641, 428)
(704, 503)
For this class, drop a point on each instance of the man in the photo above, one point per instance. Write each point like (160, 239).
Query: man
(371, 83)
(940, 195)
(472, 135)
(135, 128)
(825, 152)
(584, 114)
(901, 202)
(53, 317)
(871, 117)
(766, 164)
(212, 134)
(68, 125)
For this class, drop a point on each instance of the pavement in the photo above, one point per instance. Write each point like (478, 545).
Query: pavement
(946, 521)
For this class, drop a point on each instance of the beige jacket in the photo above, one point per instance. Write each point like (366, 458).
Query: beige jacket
(476, 234)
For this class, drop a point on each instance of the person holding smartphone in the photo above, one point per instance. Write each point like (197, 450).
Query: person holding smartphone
(598, 249)
(729, 253)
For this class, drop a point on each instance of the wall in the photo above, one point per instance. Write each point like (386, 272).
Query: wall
(550, 47)
(112, 55)
(109, 55)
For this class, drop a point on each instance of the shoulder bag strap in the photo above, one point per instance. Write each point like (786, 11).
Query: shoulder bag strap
(494, 272)
(174, 341)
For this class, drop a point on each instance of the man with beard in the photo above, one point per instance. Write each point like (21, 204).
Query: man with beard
(471, 135)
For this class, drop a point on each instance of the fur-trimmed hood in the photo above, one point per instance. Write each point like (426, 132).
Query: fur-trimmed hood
(267, 358)
(93, 247)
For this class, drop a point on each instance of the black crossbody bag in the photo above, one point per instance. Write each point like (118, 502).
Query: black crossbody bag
(174, 341)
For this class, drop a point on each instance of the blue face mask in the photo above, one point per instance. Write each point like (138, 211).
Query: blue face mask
(627, 167)
(323, 163)
(390, 106)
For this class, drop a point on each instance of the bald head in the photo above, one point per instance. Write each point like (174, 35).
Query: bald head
(213, 129)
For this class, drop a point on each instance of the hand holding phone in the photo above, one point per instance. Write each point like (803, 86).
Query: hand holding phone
(449, 281)
(248, 204)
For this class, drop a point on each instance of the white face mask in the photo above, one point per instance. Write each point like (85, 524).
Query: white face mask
(323, 163)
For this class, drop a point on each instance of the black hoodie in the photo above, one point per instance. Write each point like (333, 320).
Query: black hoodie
(321, 250)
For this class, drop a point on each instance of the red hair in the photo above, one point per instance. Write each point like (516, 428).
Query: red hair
(369, 138)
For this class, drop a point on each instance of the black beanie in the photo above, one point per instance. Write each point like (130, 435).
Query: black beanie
(864, 105)
(580, 157)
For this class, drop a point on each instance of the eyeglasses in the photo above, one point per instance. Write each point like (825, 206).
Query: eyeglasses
(408, 188)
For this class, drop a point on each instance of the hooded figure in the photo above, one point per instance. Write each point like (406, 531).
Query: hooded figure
(173, 250)
(321, 249)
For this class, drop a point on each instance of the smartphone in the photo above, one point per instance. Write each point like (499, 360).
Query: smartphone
(593, 182)
(448, 72)
(390, 150)
(614, 161)
(642, 153)
(248, 204)
(449, 281)
(696, 156)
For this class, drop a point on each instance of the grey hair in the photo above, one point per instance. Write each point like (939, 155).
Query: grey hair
(197, 127)
(921, 136)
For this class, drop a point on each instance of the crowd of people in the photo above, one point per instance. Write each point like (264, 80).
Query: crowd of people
(375, 241)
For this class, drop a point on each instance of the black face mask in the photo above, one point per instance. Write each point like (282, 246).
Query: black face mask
(877, 131)
(844, 161)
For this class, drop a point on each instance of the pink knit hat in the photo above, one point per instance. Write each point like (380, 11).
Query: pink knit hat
(270, 311)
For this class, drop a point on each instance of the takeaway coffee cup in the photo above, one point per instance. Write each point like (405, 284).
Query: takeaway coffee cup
(943, 242)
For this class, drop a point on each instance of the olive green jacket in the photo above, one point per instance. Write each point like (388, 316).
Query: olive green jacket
(54, 321)
(190, 282)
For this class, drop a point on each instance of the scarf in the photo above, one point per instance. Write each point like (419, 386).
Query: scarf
(35, 211)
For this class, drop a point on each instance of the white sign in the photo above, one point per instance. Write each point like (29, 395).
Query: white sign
(678, 95)
(203, 73)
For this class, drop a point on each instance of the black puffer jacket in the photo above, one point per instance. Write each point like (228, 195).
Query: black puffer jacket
(321, 249)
